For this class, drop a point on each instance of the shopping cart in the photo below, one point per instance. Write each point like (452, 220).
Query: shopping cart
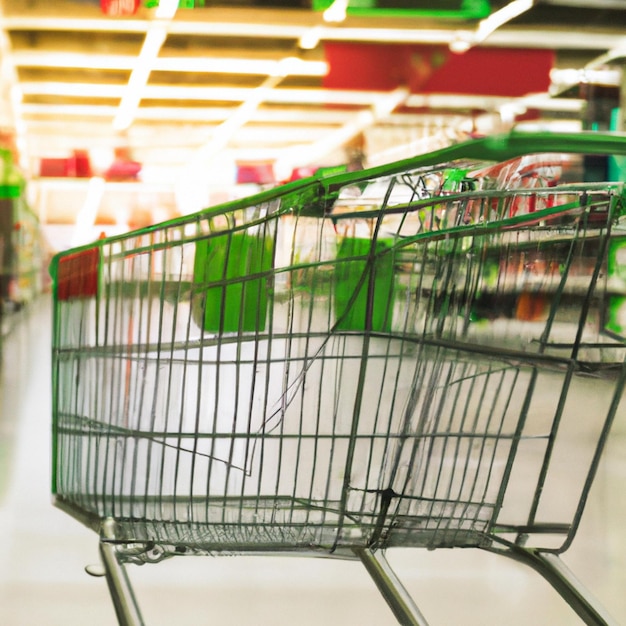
(347, 364)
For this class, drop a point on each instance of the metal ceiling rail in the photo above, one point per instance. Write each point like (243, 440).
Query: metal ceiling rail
(535, 37)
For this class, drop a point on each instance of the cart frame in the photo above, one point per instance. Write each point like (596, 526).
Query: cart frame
(83, 284)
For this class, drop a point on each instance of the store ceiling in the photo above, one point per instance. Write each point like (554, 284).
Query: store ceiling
(232, 80)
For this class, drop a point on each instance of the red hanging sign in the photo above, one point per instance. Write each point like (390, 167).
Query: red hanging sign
(506, 72)
(119, 8)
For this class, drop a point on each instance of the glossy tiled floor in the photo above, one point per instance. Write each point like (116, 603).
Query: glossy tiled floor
(43, 552)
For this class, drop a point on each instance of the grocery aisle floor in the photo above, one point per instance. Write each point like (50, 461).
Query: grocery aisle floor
(43, 551)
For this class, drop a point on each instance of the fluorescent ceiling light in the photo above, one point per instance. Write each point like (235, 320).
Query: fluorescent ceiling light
(56, 88)
(36, 58)
(502, 16)
(260, 67)
(617, 52)
(316, 151)
(336, 12)
(290, 115)
(293, 66)
(166, 9)
(565, 78)
(231, 94)
(216, 65)
(155, 37)
(462, 42)
(465, 40)
(86, 217)
(239, 118)
(310, 39)
(280, 96)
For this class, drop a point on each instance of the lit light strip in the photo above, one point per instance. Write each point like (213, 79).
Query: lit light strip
(464, 40)
(11, 91)
(86, 217)
(603, 69)
(55, 88)
(281, 96)
(294, 115)
(316, 151)
(232, 94)
(615, 53)
(502, 16)
(225, 131)
(336, 12)
(50, 59)
(167, 9)
(216, 65)
(310, 39)
(155, 38)
(261, 67)
(288, 115)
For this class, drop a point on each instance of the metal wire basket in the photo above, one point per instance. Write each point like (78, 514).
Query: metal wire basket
(346, 364)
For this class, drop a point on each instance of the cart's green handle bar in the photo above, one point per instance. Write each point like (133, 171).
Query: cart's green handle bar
(495, 148)
(500, 148)
(320, 190)
(316, 194)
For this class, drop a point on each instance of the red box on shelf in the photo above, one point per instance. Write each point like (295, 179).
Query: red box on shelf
(54, 167)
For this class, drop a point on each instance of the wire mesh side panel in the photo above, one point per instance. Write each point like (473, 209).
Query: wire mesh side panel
(264, 379)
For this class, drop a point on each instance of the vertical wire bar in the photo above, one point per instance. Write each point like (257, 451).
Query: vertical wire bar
(498, 435)
(304, 345)
(138, 349)
(262, 434)
(417, 384)
(556, 420)
(100, 376)
(157, 409)
(259, 334)
(74, 398)
(287, 384)
(142, 355)
(516, 438)
(108, 366)
(458, 465)
(424, 442)
(387, 367)
(223, 283)
(439, 486)
(178, 427)
(479, 498)
(487, 375)
(320, 383)
(369, 274)
(168, 395)
(116, 396)
(473, 432)
(242, 279)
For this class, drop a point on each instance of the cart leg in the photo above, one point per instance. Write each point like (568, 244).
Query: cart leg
(552, 568)
(124, 601)
(391, 588)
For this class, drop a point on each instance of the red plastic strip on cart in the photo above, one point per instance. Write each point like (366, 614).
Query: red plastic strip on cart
(78, 275)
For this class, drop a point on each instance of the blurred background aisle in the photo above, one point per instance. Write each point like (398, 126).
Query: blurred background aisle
(43, 552)
(120, 114)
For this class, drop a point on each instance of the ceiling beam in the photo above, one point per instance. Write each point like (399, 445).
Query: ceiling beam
(531, 37)
(200, 64)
